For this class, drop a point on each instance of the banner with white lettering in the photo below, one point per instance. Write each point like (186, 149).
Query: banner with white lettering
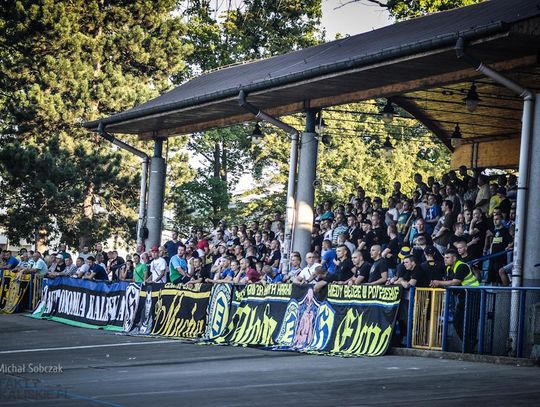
(85, 303)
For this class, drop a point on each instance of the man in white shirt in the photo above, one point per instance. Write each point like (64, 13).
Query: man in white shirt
(158, 267)
(308, 273)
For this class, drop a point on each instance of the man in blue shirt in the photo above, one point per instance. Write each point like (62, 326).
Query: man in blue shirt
(178, 267)
(9, 262)
(328, 256)
(95, 272)
(271, 275)
(172, 245)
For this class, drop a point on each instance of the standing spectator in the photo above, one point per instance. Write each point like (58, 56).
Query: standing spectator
(452, 196)
(355, 233)
(433, 214)
(158, 267)
(100, 251)
(498, 240)
(484, 195)
(341, 227)
(471, 192)
(172, 245)
(127, 271)
(477, 231)
(391, 251)
(140, 270)
(378, 229)
(443, 230)
(85, 253)
(511, 192)
(421, 186)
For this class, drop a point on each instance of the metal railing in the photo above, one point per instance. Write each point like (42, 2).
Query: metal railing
(473, 319)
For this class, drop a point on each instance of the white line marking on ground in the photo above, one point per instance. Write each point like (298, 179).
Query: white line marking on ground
(107, 345)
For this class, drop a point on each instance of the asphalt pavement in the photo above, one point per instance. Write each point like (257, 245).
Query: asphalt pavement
(45, 363)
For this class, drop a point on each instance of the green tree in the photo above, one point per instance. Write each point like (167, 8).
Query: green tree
(252, 30)
(404, 9)
(64, 63)
(354, 157)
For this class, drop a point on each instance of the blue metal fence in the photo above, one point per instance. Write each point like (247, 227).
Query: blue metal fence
(484, 319)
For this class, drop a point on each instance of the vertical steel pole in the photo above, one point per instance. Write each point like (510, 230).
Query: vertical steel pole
(156, 194)
(444, 345)
(410, 316)
(305, 191)
(482, 321)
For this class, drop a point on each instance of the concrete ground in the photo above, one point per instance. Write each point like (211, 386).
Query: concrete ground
(103, 368)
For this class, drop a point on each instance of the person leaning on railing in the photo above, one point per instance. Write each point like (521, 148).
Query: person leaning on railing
(457, 272)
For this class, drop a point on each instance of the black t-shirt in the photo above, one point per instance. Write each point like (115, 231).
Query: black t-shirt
(343, 271)
(261, 251)
(379, 267)
(355, 234)
(317, 242)
(421, 277)
(434, 270)
(203, 272)
(402, 272)
(393, 245)
(100, 273)
(476, 250)
(363, 271)
(370, 239)
(501, 239)
(275, 255)
(382, 237)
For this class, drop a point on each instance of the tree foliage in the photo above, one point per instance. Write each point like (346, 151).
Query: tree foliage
(64, 63)
(252, 29)
(405, 9)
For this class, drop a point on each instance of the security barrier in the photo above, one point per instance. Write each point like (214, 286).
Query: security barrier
(501, 321)
(427, 321)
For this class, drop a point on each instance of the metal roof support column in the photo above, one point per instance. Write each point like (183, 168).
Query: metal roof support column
(522, 234)
(156, 195)
(144, 177)
(291, 184)
(531, 256)
(305, 191)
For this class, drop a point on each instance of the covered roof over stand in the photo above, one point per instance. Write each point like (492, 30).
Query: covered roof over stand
(413, 62)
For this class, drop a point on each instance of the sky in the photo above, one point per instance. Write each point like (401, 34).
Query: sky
(353, 18)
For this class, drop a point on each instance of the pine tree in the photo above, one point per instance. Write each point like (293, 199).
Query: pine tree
(64, 63)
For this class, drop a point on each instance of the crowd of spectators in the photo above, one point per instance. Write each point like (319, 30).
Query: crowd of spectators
(437, 235)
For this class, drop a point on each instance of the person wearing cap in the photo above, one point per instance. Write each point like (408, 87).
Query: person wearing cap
(178, 267)
(57, 265)
(433, 267)
(70, 269)
(95, 271)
